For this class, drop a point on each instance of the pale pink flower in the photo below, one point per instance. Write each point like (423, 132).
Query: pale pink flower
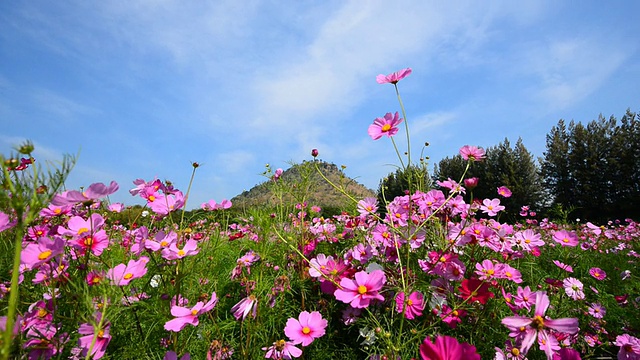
(306, 328)
(491, 207)
(393, 78)
(573, 288)
(190, 248)
(528, 329)
(282, 350)
(629, 347)
(386, 125)
(244, 307)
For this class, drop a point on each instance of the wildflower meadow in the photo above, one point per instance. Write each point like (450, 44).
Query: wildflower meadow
(426, 275)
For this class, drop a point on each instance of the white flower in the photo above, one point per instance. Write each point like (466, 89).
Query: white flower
(145, 213)
(155, 281)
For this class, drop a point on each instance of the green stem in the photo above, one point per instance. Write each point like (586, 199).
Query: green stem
(406, 124)
(13, 294)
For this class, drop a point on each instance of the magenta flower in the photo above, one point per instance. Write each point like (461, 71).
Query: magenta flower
(185, 316)
(566, 238)
(35, 254)
(447, 348)
(306, 328)
(171, 355)
(244, 307)
(597, 273)
(474, 153)
(282, 350)
(93, 192)
(5, 222)
(504, 191)
(122, 274)
(212, 205)
(537, 327)
(393, 78)
(386, 125)
(362, 290)
(314, 152)
(415, 304)
(102, 338)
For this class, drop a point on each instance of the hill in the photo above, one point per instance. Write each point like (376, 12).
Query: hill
(302, 181)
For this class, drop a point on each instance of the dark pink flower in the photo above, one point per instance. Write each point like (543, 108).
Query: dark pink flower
(415, 304)
(504, 191)
(597, 273)
(306, 328)
(447, 348)
(387, 125)
(393, 78)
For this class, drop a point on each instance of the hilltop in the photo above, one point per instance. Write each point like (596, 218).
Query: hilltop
(318, 191)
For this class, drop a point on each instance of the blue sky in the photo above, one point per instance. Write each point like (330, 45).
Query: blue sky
(143, 88)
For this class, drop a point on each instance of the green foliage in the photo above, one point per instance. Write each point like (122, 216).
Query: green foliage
(402, 181)
(595, 168)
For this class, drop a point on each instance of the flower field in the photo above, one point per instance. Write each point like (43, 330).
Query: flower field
(427, 275)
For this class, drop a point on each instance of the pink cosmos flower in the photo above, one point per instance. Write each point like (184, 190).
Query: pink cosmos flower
(212, 205)
(597, 273)
(565, 238)
(282, 350)
(491, 207)
(415, 304)
(306, 328)
(452, 317)
(487, 270)
(528, 329)
(504, 191)
(367, 206)
(173, 253)
(386, 125)
(244, 307)
(164, 204)
(563, 266)
(597, 310)
(116, 207)
(573, 288)
(102, 338)
(171, 355)
(93, 192)
(447, 348)
(122, 274)
(186, 316)
(393, 78)
(524, 298)
(629, 347)
(43, 250)
(5, 222)
(471, 183)
(473, 153)
(362, 290)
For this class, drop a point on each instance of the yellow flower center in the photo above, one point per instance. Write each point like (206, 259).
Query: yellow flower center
(194, 312)
(57, 211)
(565, 240)
(163, 243)
(180, 252)
(409, 302)
(386, 127)
(152, 198)
(306, 330)
(88, 241)
(490, 272)
(42, 313)
(128, 276)
(82, 230)
(44, 255)
(515, 352)
(537, 322)
(362, 289)
(100, 333)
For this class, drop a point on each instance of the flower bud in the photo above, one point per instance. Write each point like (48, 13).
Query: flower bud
(314, 153)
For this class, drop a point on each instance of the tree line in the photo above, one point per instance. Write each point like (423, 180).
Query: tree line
(589, 172)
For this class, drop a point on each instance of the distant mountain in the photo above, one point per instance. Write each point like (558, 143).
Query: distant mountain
(319, 191)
